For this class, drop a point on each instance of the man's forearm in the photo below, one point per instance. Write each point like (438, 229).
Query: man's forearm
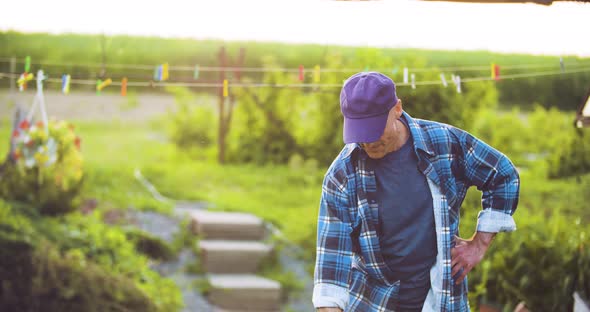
(329, 310)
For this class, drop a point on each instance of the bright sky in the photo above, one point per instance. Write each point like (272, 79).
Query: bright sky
(559, 29)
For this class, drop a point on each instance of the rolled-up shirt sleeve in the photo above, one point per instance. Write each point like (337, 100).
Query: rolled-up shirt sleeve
(498, 180)
(334, 245)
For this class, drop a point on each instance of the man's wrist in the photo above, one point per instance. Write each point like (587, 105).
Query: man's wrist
(483, 239)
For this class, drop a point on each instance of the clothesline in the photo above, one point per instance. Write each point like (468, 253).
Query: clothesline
(181, 68)
(301, 85)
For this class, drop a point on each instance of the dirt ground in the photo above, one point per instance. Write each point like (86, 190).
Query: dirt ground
(90, 106)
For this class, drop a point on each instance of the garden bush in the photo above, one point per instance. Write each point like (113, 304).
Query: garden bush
(542, 264)
(192, 124)
(75, 263)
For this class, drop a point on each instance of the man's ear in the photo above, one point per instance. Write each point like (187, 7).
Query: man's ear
(398, 108)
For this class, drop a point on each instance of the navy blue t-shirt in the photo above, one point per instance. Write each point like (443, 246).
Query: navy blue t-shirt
(406, 219)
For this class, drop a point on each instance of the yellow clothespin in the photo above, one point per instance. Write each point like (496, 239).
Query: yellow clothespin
(65, 83)
(103, 84)
(316, 74)
(493, 71)
(23, 79)
(165, 73)
(225, 88)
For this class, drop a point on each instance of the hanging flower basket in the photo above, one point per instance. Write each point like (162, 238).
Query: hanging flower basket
(47, 167)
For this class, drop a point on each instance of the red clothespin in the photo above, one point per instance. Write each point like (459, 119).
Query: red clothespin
(301, 73)
(495, 71)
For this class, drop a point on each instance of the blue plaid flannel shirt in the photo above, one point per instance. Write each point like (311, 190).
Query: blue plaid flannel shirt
(350, 271)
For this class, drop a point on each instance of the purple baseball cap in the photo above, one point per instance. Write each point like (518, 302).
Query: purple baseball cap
(365, 101)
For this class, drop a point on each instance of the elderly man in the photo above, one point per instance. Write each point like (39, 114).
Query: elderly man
(389, 212)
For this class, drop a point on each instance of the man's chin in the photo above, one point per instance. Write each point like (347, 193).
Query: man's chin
(376, 155)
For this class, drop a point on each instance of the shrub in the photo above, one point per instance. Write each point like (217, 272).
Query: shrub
(75, 263)
(150, 245)
(542, 264)
(192, 124)
(573, 159)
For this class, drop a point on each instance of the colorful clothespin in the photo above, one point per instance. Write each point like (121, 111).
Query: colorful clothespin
(495, 71)
(40, 78)
(413, 81)
(225, 88)
(102, 84)
(443, 79)
(316, 74)
(405, 75)
(98, 83)
(27, 64)
(301, 75)
(196, 72)
(165, 74)
(366, 68)
(124, 86)
(561, 64)
(457, 81)
(395, 70)
(65, 84)
(161, 72)
(158, 73)
(23, 79)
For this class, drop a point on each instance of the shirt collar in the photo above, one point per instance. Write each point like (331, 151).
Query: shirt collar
(418, 135)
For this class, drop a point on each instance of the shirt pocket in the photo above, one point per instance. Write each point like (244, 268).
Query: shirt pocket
(368, 294)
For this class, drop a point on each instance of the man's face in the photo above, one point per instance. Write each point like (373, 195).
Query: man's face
(389, 139)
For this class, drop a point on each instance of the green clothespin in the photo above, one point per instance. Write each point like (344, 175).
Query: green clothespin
(28, 64)
(366, 68)
(395, 70)
(196, 74)
(98, 82)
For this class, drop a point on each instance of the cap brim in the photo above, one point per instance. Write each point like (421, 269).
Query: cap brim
(364, 130)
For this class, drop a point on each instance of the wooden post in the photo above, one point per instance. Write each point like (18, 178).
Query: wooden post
(225, 113)
(221, 127)
(12, 71)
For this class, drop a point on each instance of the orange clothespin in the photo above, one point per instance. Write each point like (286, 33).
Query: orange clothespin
(124, 86)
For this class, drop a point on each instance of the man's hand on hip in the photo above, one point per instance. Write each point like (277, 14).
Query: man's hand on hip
(467, 253)
(329, 310)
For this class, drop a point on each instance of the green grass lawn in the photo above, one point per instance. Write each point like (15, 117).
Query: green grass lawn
(286, 197)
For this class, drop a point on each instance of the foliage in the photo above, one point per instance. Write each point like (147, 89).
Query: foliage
(274, 124)
(48, 170)
(77, 260)
(573, 158)
(264, 121)
(527, 138)
(149, 245)
(192, 124)
(520, 266)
